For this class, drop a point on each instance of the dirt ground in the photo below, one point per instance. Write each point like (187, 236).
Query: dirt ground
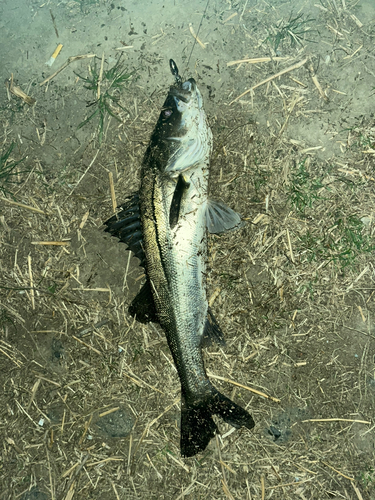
(90, 399)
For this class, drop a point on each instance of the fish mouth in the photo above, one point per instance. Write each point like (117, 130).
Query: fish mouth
(184, 91)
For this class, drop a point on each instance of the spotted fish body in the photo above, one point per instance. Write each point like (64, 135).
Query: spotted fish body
(165, 225)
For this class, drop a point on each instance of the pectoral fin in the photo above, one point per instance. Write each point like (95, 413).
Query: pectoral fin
(220, 218)
(174, 211)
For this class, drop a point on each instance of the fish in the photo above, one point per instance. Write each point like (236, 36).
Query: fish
(165, 225)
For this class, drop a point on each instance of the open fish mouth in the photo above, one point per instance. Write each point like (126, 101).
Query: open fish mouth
(184, 91)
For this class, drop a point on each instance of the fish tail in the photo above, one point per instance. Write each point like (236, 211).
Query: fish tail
(197, 425)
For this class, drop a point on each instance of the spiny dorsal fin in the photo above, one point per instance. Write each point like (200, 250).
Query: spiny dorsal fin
(126, 225)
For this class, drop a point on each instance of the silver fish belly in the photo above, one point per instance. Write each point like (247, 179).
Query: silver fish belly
(165, 225)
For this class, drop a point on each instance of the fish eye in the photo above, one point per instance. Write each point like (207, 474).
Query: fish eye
(167, 113)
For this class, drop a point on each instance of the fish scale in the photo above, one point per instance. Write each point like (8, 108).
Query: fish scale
(177, 278)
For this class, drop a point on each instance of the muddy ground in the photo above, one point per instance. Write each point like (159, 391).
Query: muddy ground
(90, 399)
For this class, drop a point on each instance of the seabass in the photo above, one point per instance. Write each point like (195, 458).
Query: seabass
(165, 224)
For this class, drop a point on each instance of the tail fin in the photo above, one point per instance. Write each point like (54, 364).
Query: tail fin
(198, 427)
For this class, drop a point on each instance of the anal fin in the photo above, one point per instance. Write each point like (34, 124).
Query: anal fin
(212, 332)
(143, 306)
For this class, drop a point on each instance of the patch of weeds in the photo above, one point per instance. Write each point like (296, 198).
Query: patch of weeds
(52, 288)
(304, 188)
(68, 176)
(365, 141)
(342, 243)
(106, 88)
(294, 29)
(137, 352)
(347, 240)
(308, 287)
(8, 170)
(367, 478)
(165, 451)
(313, 244)
(277, 325)
(359, 139)
(259, 178)
(229, 281)
(351, 185)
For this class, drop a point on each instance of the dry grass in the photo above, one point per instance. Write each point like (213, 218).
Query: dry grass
(293, 292)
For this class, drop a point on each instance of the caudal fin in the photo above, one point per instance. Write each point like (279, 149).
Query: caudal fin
(198, 427)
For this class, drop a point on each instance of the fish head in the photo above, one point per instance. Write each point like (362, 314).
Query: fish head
(182, 137)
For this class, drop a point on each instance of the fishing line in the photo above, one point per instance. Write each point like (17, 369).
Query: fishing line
(195, 38)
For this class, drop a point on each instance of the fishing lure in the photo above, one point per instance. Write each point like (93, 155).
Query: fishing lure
(174, 71)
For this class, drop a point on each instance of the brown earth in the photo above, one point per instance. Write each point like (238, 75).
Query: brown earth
(90, 404)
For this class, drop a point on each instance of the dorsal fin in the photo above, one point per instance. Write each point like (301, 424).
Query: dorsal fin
(126, 225)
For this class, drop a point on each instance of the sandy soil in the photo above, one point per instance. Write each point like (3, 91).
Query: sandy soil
(90, 406)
